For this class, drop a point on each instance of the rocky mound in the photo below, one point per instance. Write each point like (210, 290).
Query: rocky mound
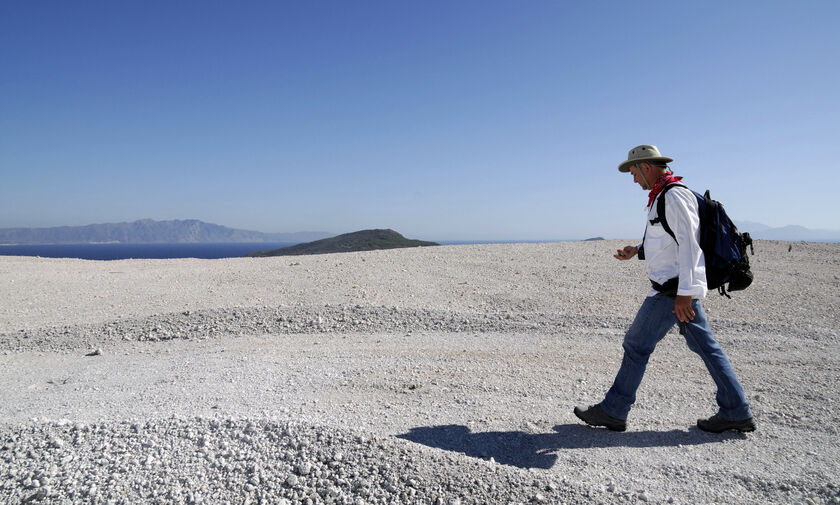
(365, 240)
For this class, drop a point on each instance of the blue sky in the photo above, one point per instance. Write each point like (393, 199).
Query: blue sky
(475, 120)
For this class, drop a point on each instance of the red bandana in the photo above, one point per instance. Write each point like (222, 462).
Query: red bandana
(664, 180)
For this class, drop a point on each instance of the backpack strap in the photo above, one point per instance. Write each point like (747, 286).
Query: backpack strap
(660, 210)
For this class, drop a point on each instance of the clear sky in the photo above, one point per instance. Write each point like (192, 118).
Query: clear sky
(444, 120)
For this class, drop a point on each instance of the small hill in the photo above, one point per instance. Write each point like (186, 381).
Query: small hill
(364, 240)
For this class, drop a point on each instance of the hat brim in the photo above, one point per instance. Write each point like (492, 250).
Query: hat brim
(625, 167)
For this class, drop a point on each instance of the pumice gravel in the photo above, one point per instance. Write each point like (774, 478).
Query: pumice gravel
(245, 461)
(442, 375)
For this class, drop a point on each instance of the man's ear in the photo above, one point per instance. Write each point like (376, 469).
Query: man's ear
(651, 171)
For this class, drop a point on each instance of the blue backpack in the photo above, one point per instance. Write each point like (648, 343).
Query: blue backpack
(723, 246)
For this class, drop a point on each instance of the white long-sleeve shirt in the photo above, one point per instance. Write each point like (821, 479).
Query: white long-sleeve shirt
(664, 259)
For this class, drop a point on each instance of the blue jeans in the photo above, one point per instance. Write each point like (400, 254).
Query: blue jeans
(652, 322)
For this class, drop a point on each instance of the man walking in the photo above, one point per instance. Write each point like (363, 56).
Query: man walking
(677, 271)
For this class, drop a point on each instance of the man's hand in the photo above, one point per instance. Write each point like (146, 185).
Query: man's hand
(682, 308)
(626, 253)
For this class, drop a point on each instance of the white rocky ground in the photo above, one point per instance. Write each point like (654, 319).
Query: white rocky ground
(432, 375)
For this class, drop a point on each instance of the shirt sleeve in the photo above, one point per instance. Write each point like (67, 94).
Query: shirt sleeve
(682, 216)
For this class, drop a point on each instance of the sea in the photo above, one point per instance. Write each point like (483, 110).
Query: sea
(180, 250)
(140, 251)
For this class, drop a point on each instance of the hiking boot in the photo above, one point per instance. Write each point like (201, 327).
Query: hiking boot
(595, 416)
(717, 424)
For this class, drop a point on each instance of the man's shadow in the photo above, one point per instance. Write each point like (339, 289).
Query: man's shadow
(539, 450)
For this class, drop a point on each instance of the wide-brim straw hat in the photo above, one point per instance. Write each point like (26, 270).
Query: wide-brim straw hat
(642, 153)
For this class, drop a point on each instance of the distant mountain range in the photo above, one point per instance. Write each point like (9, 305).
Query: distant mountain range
(147, 231)
(791, 233)
(364, 240)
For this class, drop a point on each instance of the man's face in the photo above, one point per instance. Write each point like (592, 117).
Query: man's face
(641, 175)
